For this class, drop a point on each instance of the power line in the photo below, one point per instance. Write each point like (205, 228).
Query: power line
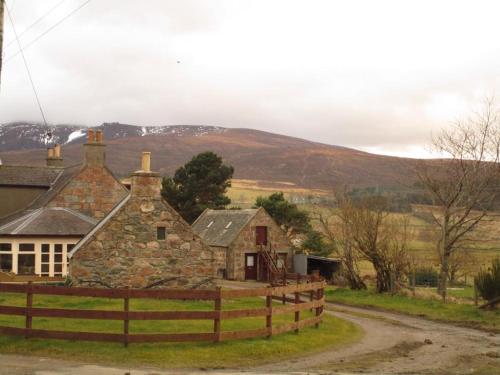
(36, 22)
(27, 67)
(47, 31)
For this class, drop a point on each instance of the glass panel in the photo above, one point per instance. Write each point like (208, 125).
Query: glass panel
(57, 267)
(160, 233)
(45, 258)
(5, 247)
(26, 247)
(45, 268)
(6, 262)
(45, 248)
(58, 248)
(58, 258)
(26, 264)
(70, 247)
(250, 260)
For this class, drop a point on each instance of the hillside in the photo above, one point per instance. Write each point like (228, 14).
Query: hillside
(256, 155)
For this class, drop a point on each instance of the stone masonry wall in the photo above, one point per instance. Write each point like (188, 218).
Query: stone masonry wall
(93, 192)
(246, 243)
(126, 251)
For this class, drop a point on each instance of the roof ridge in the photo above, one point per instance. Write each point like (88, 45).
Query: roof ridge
(88, 219)
(33, 215)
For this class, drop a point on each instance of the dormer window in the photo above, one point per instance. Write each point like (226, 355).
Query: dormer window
(161, 233)
(210, 224)
(229, 224)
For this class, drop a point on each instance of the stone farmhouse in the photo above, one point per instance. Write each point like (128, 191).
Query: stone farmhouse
(143, 242)
(248, 243)
(46, 210)
(114, 236)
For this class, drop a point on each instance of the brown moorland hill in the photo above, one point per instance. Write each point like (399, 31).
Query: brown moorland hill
(256, 155)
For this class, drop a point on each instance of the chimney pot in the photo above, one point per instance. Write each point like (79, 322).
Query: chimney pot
(98, 136)
(90, 136)
(50, 153)
(57, 151)
(146, 162)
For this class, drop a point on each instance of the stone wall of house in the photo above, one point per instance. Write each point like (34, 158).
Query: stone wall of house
(220, 258)
(246, 243)
(125, 251)
(93, 192)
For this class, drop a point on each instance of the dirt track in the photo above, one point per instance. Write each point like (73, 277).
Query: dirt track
(393, 344)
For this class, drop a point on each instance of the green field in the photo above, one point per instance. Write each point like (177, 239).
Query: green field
(332, 332)
(457, 313)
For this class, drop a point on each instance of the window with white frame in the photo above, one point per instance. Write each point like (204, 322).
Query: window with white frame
(58, 259)
(26, 259)
(45, 260)
(6, 257)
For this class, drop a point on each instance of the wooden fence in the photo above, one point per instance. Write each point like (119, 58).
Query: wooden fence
(314, 291)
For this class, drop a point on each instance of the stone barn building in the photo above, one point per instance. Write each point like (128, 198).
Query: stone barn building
(143, 242)
(46, 210)
(243, 241)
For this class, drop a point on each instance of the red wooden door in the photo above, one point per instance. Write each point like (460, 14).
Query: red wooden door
(250, 266)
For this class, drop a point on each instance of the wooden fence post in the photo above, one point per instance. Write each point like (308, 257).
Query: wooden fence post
(217, 309)
(29, 305)
(318, 309)
(269, 316)
(126, 320)
(284, 284)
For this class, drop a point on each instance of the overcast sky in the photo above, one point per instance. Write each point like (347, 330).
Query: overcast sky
(375, 75)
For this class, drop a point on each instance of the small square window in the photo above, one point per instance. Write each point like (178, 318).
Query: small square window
(161, 233)
(57, 268)
(58, 248)
(45, 268)
(45, 258)
(45, 248)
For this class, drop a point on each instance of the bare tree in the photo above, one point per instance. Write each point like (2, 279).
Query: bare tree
(379, 238)
(337, 233)
(463, 186)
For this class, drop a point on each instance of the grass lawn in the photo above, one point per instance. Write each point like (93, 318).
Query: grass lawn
(332, 332)
(463, 314)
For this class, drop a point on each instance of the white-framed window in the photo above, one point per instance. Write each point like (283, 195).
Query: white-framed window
(26, 259)
(5, 257)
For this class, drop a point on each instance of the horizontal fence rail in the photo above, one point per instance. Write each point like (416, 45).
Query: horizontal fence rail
(313, 290)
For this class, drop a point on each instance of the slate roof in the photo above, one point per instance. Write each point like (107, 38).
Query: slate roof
(61, 179)
(221, 227)
(53, 221)
(17, 175)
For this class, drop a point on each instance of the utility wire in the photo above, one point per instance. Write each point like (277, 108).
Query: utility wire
(47, 31)
(34, 23)
(27, 68)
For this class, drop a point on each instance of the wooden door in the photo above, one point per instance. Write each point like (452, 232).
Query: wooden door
(251, 266)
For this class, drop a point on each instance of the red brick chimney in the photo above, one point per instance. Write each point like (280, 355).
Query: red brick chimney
(145, 183)
(54, 158)
(94, 150)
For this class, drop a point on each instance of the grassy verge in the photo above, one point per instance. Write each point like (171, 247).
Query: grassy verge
(333, 332)
(462, 314)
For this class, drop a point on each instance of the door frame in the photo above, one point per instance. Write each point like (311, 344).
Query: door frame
(252, 275)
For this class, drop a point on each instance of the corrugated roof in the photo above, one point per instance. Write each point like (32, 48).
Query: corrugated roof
(17, 175)
(221, 227)
(53, 221)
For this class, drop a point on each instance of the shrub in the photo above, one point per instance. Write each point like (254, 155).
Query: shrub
(488, 281)
(427, 276)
